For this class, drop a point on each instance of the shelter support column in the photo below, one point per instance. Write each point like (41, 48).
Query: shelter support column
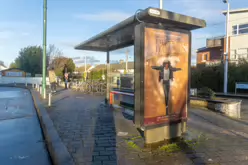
(108, 78)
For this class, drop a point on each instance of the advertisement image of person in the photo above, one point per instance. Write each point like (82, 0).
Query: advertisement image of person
(166, 76)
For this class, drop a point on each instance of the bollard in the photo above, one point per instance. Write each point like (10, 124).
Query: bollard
(32, 85)
(26, 84)
(44, 94)
(40, 90)
(49, 99)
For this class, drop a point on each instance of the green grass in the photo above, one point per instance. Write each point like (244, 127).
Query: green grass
(135, 137)
(131, 144)
(169, 148)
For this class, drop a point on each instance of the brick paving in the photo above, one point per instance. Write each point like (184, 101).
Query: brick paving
(90, 132)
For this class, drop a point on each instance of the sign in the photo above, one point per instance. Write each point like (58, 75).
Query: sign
(193, 92)
(127, 81)
(166, 65)
(242, 86)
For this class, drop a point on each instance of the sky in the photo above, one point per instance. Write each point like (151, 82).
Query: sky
(69, 22)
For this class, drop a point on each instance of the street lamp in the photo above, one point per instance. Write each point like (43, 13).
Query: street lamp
(227, 48)
(161, 4)
(44, 48)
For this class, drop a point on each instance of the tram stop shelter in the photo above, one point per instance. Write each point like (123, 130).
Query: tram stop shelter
(162, 62)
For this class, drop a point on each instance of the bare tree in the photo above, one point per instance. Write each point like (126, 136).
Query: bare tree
(53, 53)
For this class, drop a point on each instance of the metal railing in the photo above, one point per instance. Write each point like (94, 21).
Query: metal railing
(93, 87)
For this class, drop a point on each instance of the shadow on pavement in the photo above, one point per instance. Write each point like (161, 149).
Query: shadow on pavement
(105, 137)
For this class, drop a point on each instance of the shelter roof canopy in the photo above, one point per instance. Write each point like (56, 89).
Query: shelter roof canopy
(122, 34)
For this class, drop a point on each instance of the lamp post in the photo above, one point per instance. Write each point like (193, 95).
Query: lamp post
(227, 48)
(44, 48)
(161, 4)
(85, 63)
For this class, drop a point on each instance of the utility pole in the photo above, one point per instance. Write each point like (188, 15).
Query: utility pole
(161, 4)
(44, 47)
(85, 67)
(227, 48)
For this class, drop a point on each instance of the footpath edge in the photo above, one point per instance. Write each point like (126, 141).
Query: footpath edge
(57, 150)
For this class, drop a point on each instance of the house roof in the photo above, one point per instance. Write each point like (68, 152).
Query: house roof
(122, 34)
(12, 69)
(201, 49)
(236, 11)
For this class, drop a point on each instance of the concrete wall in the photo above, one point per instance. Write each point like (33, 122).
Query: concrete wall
(22, 80)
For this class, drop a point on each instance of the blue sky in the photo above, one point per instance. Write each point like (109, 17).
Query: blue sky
(73, 21)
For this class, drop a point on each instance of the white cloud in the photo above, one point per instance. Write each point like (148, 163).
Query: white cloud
(115, 16)
(6, 34)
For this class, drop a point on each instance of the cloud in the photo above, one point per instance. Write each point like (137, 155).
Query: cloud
(115, 16)
(6, 34)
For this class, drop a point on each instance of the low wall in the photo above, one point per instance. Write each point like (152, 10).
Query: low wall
(23, 80)
(228, 107)
(122, 99)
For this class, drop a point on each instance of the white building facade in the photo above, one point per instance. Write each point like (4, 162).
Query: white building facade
(238, 32)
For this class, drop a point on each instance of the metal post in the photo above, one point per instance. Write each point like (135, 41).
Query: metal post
(108, 77)
(44, 46)
(161, 4)
(227, 50)
(44, 94)
(41, 90)
(235, 88)
(85, 67)
(127, 60)
(49, 99)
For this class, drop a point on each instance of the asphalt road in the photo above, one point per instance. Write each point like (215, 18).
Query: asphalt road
(21, 139)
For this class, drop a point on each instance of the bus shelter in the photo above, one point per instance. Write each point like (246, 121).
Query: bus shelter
(162, 62)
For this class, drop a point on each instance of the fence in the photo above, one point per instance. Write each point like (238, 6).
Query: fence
(23, 80)
(96, 87)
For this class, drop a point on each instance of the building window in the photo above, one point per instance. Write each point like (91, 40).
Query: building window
(234, 29)
(234, 55)
(204, 57)
(243, 29)
(240, 29)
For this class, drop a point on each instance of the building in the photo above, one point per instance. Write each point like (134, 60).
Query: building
(14, 72)
(238, 41)
(212, 53)
(238, 32)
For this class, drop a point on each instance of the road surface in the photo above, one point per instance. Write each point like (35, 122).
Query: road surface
(21, 139)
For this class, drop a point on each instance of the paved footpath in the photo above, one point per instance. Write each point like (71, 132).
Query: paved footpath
(95, 134)
(21, 140)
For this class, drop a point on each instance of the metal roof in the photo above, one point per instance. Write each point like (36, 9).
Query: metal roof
(122, 34)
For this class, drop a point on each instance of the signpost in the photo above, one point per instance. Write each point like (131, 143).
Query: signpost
(44, 48)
